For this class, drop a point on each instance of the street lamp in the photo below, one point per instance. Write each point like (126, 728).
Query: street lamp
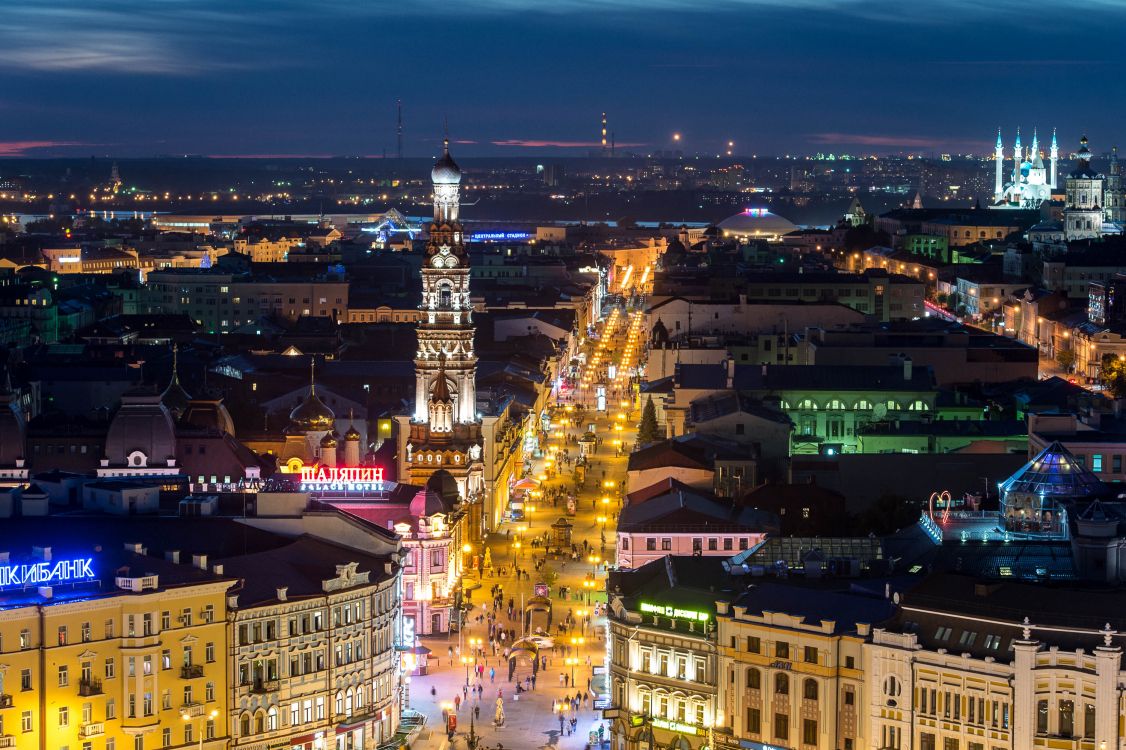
(199, 725)
(466, 661)
(562, 708)
(572, 661)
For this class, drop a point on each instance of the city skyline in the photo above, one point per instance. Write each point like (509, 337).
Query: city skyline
(321, 79)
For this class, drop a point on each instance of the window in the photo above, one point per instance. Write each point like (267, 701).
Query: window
(25, 679)
(25, 721)
(942, 634)
(892, 686)
(849, 696)
(754, 645)
(1042, 717)
(754, 721)
(754, 679)
(109, 668)
(781, 727)
(809, 731)
(782, 650)
(1066, 718)
(1097, 463)
(993, 642)
(166, 737)
(810, 655)
(651, 544)
(64, 716)
(666, 545)
(968, 638)
(64, 676)
(809, 689)
(781, 684)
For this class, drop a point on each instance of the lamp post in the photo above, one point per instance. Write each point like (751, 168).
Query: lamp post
(466, 661)
(199, 724)
(572, 661)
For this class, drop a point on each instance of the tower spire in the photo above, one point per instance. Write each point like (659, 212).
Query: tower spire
(312, 376)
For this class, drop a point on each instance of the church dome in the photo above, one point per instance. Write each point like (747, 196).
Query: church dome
(446, 170)
(756, 223)
(328, 441)
(352, 433)
(175, 398)
(312, 414)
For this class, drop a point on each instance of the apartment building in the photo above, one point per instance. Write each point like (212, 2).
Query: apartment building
(111, 649)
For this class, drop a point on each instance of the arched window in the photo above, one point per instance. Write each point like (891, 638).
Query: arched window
(892, 687)
(445, 297)
(781, 684)
(863, 405)
(340, 702)
(919, 405)
(836, 404)
(809, 689)
(348, 702)
(808, 404)
(754, 678)
(359, 697)
(893, 405)
(260, 722)
(244, 725)
(272, 719)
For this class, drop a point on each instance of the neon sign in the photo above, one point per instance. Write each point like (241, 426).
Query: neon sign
(355, 478)
(683, 614)
(499, 236)
(674, 726)
(756, 212)
(46, 573)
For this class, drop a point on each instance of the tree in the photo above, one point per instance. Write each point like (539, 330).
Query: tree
(1113, 374)
(1066, 359)
(648, 431)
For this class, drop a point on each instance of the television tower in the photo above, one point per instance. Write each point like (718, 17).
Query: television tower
(603, 133)
(399, 128)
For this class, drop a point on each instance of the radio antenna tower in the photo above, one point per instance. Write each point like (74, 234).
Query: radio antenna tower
(399, 129)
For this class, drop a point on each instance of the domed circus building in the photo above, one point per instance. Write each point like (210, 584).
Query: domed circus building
(756, 224)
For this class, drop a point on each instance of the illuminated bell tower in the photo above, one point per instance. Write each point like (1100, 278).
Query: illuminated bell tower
(445, 326)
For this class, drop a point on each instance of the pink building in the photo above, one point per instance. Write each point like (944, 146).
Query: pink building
(673, 518)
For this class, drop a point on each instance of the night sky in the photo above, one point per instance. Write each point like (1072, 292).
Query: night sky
(313, 77)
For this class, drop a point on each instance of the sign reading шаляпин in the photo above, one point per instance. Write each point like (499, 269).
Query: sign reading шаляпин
(680, 614)
(46, 573)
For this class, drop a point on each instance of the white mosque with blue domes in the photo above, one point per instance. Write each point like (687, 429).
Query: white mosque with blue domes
(1030, 182)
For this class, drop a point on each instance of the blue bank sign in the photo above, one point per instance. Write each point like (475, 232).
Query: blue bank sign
(46, 573)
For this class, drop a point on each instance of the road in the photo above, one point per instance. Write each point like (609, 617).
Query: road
(532, 718)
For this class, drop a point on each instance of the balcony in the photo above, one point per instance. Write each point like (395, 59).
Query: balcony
(192, 710)
(89, 686)
(7, 740)
(6, 700)
(191, 671)
(265, 686)
(93, 729)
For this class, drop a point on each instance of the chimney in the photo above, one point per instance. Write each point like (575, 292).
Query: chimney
(173, 556)
(730, 372)
(907, 366)
(283, 591)
(217, 569)
(199, 561)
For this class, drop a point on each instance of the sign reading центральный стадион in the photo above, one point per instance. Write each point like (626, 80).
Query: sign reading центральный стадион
(46, 573)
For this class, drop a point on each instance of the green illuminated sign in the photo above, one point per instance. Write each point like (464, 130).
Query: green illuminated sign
(681, 614)
(674, 726)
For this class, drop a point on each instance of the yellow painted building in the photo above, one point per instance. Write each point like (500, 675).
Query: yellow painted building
(111, 650)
